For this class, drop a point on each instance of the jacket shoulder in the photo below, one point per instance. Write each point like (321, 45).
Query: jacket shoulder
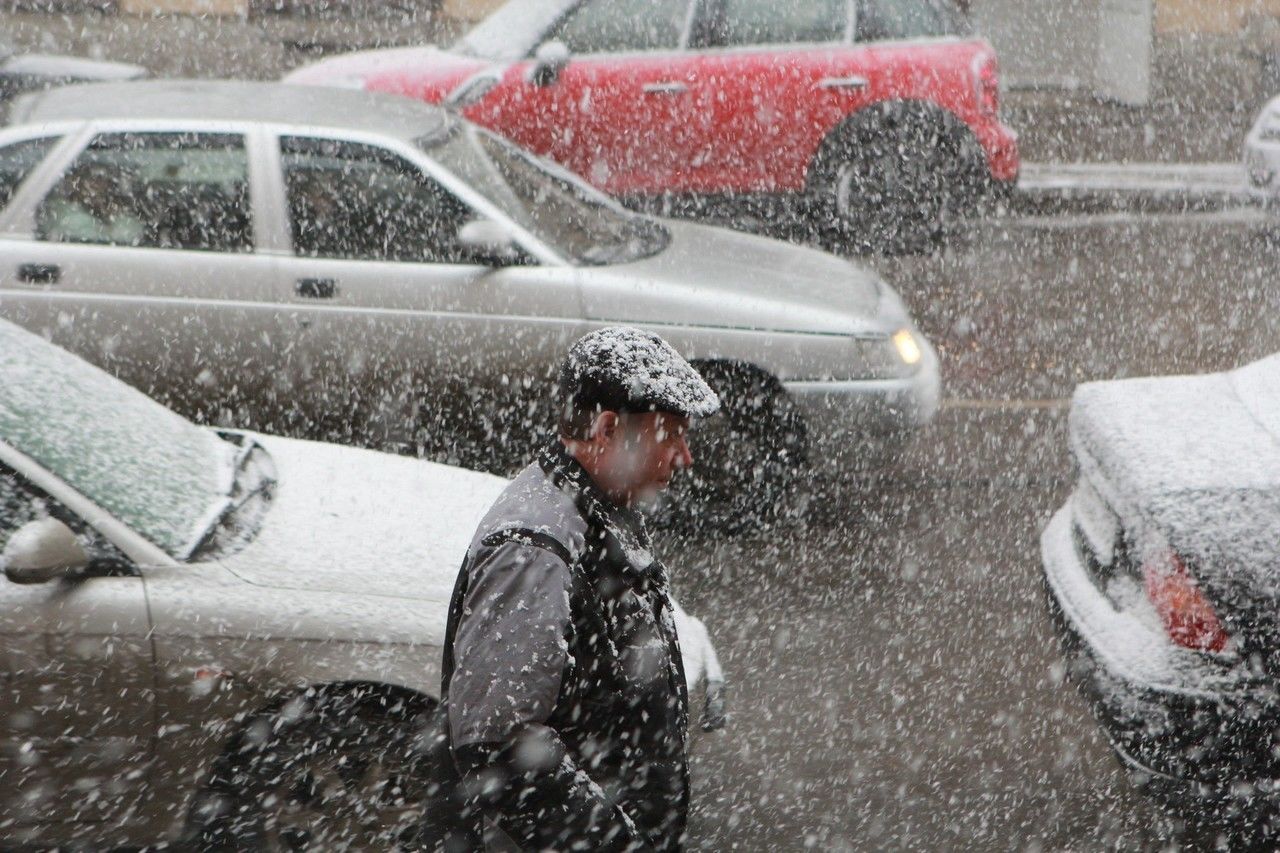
(534, 508)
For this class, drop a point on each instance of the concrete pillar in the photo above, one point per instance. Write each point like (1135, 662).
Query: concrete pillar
(1104, 46)
(1042, 43)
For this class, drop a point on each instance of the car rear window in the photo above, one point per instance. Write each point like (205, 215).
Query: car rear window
(18, 160)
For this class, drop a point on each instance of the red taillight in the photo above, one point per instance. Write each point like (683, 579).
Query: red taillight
(986, 74)
(1187, 615)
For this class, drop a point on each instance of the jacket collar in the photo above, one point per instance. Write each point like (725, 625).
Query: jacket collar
(624, 525)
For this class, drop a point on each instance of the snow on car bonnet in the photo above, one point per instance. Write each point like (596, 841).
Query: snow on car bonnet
(626, 368)
(151, 469)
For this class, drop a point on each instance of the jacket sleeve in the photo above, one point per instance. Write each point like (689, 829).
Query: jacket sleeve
(511, 655)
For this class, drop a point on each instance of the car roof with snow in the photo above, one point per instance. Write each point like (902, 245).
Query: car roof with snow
(216, 100)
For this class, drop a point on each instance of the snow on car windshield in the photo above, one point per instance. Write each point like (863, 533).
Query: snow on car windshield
(156, 472)
(576, 220)
(511, 32)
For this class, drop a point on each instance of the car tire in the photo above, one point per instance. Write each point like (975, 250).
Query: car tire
(893, 180)
(333, 768)
(748, 459)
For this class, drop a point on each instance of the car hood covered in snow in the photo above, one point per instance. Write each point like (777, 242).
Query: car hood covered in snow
(726, 278)
(354, 521)
(361, 523)
(1197, 460)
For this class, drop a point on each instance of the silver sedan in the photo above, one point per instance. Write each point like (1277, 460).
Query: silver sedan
(364, 268)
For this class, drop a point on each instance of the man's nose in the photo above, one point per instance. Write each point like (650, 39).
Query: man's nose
(684, 458)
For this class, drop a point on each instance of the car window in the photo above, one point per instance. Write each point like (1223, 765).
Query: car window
(361, 202)
(615, 26)
(746, 22)
(907, 19)
(577, 220)
(762, 22)
(156, 472)
(21, 503)
(16, 162)
(513, 30)
(154, 190)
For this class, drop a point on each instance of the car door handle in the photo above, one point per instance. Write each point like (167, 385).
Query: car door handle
(39, 273)
(317, 288)
(666, 87)
(836, 83)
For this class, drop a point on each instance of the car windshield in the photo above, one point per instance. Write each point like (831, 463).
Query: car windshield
(158, 473)
(513, 31)
(579, 222)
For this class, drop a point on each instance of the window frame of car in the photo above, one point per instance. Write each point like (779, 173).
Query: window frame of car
(132, 544)
(543, 254)
(20, 137)
(70, 138)
(18, 221)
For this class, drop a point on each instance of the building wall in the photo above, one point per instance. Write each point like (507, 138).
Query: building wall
(461, 10)
(184, 7)
(1209, 16)
(1042, 43)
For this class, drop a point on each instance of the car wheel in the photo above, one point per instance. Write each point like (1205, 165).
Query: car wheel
(326, 770)
(893, 182)
(748, 459)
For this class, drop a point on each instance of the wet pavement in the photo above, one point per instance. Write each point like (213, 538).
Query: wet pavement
(895, 683)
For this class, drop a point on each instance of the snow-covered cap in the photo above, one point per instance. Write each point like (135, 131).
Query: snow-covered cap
(622, 369)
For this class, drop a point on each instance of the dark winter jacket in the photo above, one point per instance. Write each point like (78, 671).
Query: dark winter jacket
(563, 682)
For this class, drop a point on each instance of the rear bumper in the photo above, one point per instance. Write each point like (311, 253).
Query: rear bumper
(1193, 737)
(854, 426)
(1000, 142)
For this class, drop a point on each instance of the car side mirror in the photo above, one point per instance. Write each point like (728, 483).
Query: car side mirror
(549, 60)
(489, 242)
(41, 551)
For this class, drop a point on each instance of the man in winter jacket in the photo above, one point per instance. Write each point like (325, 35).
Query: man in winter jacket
(562, 681)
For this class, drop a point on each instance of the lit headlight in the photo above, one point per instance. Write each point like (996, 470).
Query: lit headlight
(908, 347)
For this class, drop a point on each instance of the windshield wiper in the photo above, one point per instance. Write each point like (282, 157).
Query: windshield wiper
(242, 490)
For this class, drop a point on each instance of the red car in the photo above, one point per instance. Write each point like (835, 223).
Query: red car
(881, 115)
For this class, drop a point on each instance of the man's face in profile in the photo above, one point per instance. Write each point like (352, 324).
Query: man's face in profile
(640, 453)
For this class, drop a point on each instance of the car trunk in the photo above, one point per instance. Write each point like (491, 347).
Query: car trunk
(1191, 463)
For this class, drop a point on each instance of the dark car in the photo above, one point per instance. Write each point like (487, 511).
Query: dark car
(1163, 572)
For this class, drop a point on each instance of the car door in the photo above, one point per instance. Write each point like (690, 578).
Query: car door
(402, 341)
(76, 682)
(784, 75)
(139, 254)
(625, 112)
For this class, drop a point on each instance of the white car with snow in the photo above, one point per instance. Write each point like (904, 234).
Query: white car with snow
(186, 610)
(1262, 153)
(1163, 572)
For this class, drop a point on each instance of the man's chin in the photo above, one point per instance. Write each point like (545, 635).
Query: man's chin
(648, 497)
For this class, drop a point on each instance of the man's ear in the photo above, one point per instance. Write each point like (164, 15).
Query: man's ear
(605, 426)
